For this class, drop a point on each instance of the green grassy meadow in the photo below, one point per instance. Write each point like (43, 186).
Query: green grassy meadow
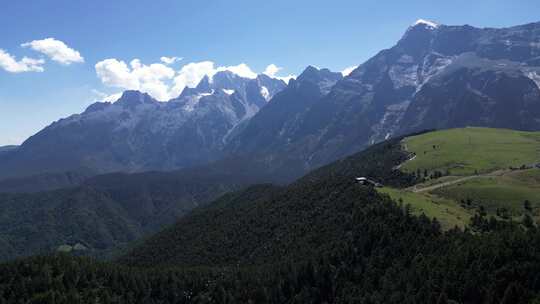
(508, 191)
(447, 211)
(464, 151)
(487, 154)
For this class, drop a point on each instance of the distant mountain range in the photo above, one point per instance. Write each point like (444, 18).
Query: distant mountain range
(322, 238)
(265, 223)
(105, 213)
(138, 133)
(435, 77)
(4, 149)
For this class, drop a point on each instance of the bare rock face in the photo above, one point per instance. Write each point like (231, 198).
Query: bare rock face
(138, 133)
(435, 77)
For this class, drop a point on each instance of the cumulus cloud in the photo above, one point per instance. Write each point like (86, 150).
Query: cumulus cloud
(348, 71)
(56, 50)
(104, 97)
(116, 74)
(242, 70)
(192, 73)
(164, 83)
(10, 64)
(112, 97)
(286, 78)
(271, 70)
(137, 76)
(170, 60)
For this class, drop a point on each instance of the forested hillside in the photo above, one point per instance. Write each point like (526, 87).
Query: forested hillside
(107, 212)
(322, 239)
(261, 224)
(385, 255)
(468, 170)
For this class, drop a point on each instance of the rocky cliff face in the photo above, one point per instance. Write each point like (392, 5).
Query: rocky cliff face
(435, 77)
(275, 126)
(139, 133)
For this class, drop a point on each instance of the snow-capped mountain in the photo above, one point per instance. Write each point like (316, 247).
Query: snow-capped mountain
(436, 76)
(139, 133)
(276, 126)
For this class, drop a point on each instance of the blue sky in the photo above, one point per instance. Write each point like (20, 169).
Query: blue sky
(289, 34)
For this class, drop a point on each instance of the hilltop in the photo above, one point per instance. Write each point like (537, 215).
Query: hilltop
(469, 170)
(443, 175)
(323, 239)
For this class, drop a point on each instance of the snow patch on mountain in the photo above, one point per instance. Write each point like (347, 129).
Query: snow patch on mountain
(265, 93)
(193, 100)
(167, 122)
(427, 23)
(406, 59)
(403, 76)
(228, 92)
(429, 70)
(389, 123)
(535, 77)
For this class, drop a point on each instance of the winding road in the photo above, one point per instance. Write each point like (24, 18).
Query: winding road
(415, 188)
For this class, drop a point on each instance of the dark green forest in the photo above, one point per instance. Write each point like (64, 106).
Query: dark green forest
(106, 213)
(322, 239)
(386, 256)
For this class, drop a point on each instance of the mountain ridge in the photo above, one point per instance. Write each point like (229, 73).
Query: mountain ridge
(436, 76)
(138, 133)
(415, 85)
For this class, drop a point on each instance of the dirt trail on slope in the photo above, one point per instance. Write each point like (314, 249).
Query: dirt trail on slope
(415, 189)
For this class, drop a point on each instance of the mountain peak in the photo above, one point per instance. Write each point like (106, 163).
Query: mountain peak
(418, 36)
(226, 80)
(133, 97)
(425, 23)
(315, 74)
(264, 77)
(323, 78)
(204, 84)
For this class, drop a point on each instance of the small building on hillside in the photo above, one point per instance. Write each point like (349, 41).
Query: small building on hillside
(368, 182)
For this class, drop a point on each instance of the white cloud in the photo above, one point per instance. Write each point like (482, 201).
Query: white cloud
(162, 82)
(286, 78)
(55, 50)
(137, 76)
(271, 70)
(348, 71)
(192, 73)
(10, 64)
(242, 70)
(112, 97)
(170, 60)
(104, 97)
(116, 73)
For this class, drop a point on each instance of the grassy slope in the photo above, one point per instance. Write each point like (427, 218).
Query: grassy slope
(464, 151)
(108, 212)
(508, 191)
(445, 210)
(262, 224)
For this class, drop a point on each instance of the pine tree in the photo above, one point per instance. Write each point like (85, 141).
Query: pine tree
(443, 298)
(513, 294)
